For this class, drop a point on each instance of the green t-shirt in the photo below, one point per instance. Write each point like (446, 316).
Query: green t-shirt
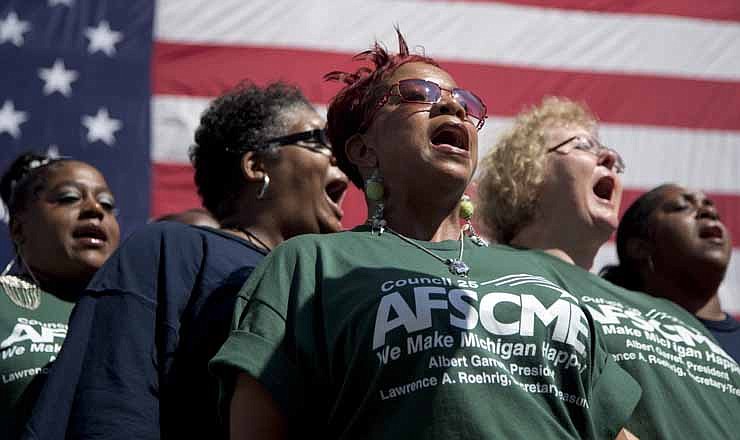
(365, 336)
(29, 342)
(691, 387)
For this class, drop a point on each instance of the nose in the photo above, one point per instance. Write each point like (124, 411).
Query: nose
(336, 173)
(707, 210)
(607, 158)
(91, 208)
(447, 105)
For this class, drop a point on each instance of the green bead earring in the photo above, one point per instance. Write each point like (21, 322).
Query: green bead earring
(466, 210)
(374, 192)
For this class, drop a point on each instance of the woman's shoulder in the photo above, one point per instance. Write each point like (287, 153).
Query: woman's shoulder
(163, 235)
(307, 242)
(173, 247)
(174, 230)
(155, 232)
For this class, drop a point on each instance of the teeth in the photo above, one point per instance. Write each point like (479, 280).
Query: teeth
(91, 237)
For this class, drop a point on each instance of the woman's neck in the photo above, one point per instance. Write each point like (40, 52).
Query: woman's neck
(260, 229)
(425, 221)
(712, 310)
(700, 297)
(580, 252)
(68, 290)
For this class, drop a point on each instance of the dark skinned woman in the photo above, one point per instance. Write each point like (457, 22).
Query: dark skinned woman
(158, 311)
(672, 244)
(63, 227)
(407, 327)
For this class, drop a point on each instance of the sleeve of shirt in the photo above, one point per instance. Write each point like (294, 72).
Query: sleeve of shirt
(123, 335)
(261, 342)
(614, 393)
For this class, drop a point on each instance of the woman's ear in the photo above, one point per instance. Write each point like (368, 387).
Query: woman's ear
(359, 153)
(253, 167)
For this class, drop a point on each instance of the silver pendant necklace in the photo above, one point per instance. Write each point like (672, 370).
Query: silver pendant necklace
(456, 266)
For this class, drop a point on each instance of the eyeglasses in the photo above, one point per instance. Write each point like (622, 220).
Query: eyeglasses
(420, 91)
(592, 146)
(315, 140)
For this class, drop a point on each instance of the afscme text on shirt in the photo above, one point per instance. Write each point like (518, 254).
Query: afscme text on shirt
(467, 310)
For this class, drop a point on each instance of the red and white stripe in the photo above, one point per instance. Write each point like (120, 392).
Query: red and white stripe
(663, 76)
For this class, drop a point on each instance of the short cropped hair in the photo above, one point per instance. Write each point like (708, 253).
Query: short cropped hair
(511, 174)
(350, 109)
(235, 123)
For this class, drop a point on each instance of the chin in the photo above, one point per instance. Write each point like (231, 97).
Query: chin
(90, 263)
(605, 227)
(455, 174)
(328, 225)
(719, 257)
(605, 219)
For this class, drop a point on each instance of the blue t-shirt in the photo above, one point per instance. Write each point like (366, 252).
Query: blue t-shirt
(135, 362)
(727, 333)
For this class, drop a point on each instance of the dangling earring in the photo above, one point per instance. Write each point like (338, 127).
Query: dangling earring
(467, 208)
(28, 269)
(374, 192)
(265, 185)
(19, 291)
(11, 263)
(650, 264)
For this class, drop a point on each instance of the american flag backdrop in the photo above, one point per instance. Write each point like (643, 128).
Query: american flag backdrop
(122, 84)
(76, 82)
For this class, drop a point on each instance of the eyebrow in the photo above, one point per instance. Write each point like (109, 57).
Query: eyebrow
(694, 198)
(96, 189)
